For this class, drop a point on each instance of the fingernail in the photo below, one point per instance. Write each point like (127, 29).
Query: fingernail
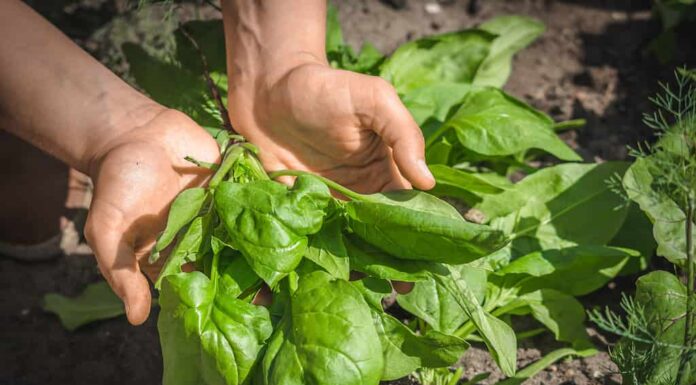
(424, 169)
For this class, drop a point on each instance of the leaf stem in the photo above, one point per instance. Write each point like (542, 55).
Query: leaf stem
(230, 158)
(569, 124)
(331, 184)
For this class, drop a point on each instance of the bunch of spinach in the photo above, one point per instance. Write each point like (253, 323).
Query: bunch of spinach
(244, 230)
(659, 334)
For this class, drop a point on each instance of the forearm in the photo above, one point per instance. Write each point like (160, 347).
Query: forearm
(267, 38)
(55, 95)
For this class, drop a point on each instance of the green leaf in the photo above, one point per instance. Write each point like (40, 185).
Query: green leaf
(405, 351)
(236, 276)
(492, 123)
(414, 225)
(450, 58)
(461, 184)
(327, 336)
(374, 290)
(559, 312)
(498, 336)
(434, 101)
(379, 264)
(185, 207)
(669, 221)
(96, 302)
(514, 34)
(636, 234)
(190, 248)
(208, 338)
(575, 270)
(189, 93)
(327, 250)
(269, 223)
(432, 302)
(559, 206)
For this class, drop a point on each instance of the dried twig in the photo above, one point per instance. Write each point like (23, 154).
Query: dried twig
(211, 84)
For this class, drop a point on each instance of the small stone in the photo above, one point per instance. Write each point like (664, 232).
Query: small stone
(24, 312)
(553, 368)
(570, 373)
(596, 374)
(432, 8)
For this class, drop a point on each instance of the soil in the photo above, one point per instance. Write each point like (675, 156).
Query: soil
(592, 63)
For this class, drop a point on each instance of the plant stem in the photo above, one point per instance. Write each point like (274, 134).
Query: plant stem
(687, 352)
(331, 184)
(227, 163)
(569, 124)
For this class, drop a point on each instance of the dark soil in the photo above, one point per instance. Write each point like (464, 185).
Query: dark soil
(592, 63)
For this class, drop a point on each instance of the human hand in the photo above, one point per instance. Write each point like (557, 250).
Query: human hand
(137, 175)
(348, 127)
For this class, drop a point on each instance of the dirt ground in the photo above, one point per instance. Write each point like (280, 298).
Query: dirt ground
(592, 63)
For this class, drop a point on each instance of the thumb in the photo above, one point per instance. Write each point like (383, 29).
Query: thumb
(395, 125)
(119, 266)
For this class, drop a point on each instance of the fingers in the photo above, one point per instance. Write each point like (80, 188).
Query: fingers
(118, 264)
(395, 125)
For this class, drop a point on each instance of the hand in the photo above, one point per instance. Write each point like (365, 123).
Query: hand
(348, 127)
(136, 176)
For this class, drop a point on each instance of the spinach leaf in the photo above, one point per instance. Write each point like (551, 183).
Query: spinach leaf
(327, 336)
(96, 302)
(498, 336)
(192, 245)
(269, 223)
(185, 207)
(514, 34)
(405, 351)
(434, 101)
(326, 249)
(492, 123)
(379, 264)
(208, 338)
(432, 302)
(453, 57)
(559, 206)
(415, 225)
(669, 221)
(461, 184)
(636, 234)
(334, 34)
(576, 271)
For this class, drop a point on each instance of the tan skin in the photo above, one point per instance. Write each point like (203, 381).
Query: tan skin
(283, 97)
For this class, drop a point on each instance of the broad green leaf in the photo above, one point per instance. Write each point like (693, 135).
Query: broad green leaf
(189, 93)
(559, 312)
(451, 58)
(190, 247)
(208, 338)
(434, 101)
(237, 278)
(374, 290)
(514, 33)
(636, 234)
(368, 60)
(432, 302)
(669, 221)
(269, 223)
(438, 153)
(662, 298)
(96, 302)
(575, 270)
(185, 207)
(492, 123)
(405, 351)
(327, 336)
(327, 250)
(210, 37)
(559, 206)
(461, 184)
(379, 264)
(498, 336)
(414, 225)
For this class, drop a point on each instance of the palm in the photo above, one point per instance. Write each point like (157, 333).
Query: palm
(325, 121)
